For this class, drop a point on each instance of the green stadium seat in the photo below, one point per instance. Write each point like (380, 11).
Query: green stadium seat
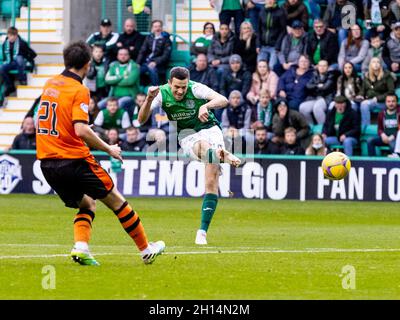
(317, 129)
(6, 8)
(367, 132)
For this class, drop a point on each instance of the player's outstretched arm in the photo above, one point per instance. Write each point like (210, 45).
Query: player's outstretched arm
(145, 110)
(83, 131)
(216, 101)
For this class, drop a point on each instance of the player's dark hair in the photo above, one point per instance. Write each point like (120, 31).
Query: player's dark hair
(77, 55)
(98, 47)
(260, 129)
(12, 31)
(180, 73)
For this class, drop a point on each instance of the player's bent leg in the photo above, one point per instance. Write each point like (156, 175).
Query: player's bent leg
(130, 221)
(210, 202)
(82, 231)
(204, 151)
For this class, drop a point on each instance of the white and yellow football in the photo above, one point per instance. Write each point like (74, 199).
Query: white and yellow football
(336, 166)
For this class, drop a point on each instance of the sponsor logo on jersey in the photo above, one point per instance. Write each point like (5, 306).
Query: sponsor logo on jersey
(10, 174)
(85, 107)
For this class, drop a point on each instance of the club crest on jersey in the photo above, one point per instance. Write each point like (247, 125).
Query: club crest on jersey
(10, 174)
(85, 107)
(167, 105)
(190, 104)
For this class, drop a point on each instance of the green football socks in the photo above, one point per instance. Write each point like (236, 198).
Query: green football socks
(207, 211)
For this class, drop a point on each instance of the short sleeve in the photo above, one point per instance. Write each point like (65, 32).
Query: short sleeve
(201, 91)
(157, 102)
(80, 107)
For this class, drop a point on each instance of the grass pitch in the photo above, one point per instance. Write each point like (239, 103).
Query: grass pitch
(257, 250)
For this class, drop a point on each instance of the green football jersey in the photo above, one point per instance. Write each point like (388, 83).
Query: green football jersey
(186, 112)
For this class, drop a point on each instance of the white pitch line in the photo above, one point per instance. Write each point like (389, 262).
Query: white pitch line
(311, 250)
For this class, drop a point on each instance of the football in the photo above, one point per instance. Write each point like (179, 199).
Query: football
(336, 166)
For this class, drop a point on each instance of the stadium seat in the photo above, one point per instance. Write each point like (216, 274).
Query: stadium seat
(367, 132)
(6, 8)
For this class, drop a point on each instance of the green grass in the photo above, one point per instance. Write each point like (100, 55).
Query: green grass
(257, 250)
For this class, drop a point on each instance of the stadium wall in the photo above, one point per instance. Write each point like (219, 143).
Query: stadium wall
(267, 177)
(82, 18)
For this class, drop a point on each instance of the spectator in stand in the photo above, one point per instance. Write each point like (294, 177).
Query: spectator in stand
(130, 39)
(96, 78)
(123, 77)
(145, 127)
(388, 126)
(221, 49)
(15, 53)
(263, 79)
(234, 142)
(228, 10)
(394, 15)
(133, 142)
(201, 72)
(333, 18)
(349, 84)
(111, 117)
(93, 110)
(322, 44)
(106, 39)
(246, 46)
(317, 146)
(290, 145)
(285, 118)
(262, 145)
(354, 48)
(271, 30)
(112, 137)
(265, 113)
(254, 8)
(294, 45)
(26, 140)
(376, 84)
(375, 50)
(236, 78)
(155, 53)
(377, 17)
(292, 83)
(391, 53)
(142, 13)
(320, 91)
(204, 41)
(237, 114)
(342, 126)
(296, 10)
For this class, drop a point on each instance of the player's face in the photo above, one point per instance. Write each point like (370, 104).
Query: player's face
(179, 88)
(391, 103)
(290, 138)
(112, 107)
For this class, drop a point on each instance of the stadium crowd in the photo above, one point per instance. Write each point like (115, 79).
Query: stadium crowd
(298, 82)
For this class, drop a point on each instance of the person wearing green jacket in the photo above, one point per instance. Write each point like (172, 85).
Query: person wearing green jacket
(123, 79)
